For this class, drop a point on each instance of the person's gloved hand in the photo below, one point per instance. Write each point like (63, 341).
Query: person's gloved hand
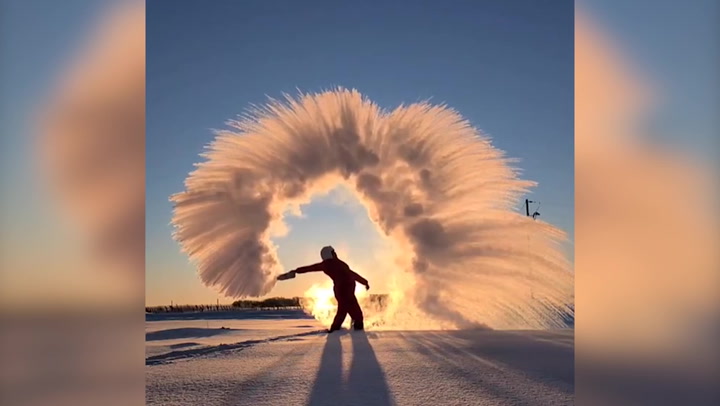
(286, 275)
(367, 286)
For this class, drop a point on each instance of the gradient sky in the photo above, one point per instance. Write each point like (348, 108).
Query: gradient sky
(506, 67)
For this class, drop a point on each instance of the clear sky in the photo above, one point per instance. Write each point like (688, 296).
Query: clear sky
(506, 66)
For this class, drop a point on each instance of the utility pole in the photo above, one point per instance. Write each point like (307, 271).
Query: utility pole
(527, 207)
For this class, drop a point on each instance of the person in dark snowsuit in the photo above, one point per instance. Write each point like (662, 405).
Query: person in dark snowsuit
(344, 280)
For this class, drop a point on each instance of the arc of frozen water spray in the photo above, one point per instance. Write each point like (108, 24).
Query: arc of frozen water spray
(430, 181)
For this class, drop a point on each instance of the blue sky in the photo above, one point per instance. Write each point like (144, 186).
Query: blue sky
(506, 67)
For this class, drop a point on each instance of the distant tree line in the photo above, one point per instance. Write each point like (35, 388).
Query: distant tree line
(270, 303)
(273, 303)
(188, 308)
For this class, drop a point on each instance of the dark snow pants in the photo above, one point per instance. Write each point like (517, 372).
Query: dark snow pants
(347, 304)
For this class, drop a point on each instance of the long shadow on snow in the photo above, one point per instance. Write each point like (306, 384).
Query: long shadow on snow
(366, 384)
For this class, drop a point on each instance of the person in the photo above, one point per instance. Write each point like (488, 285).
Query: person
(344, 280)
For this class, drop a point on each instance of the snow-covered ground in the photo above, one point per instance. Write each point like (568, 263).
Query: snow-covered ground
(183, 332)
(280, 358)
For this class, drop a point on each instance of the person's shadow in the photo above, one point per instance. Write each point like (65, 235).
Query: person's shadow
(366, 383)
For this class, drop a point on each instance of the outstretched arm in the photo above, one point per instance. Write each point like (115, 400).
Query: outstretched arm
(360, 279)
(310, 268)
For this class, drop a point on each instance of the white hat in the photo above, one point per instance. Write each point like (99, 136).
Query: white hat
(327, 253)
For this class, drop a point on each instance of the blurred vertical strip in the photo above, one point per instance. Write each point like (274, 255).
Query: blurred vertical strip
(72, 75)
(647, 264)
